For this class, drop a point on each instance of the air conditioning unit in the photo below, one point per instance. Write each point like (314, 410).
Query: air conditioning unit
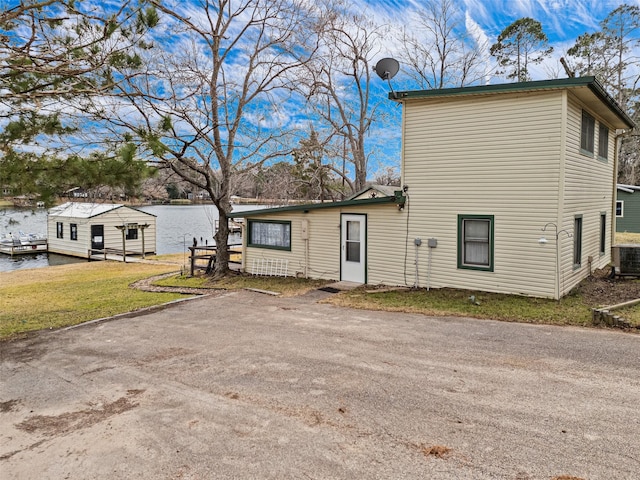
(626, 259)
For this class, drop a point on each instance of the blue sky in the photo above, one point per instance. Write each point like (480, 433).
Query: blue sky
(562, 21)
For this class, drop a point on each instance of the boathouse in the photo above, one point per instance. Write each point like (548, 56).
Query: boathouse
(90, 229)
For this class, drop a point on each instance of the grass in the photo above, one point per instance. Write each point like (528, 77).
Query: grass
(285, 286)
(55, 297)
(571, 310)
(631, 314)
(70, 294)
(626, 237)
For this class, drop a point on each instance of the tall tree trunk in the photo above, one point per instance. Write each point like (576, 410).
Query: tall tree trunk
(221, 265)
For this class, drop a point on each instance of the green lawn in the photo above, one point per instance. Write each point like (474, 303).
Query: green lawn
(54, 297)
(571, 310)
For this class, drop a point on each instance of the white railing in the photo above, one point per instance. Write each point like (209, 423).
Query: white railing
(270, 267)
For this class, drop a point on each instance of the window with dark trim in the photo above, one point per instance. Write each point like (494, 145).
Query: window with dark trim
(475, 242)
(619, 208)
(577, 241)
(59, 230)
(603, 233)
(603, 142)
(132, 233)
(73, 230)
(269, 234)
(587, 133)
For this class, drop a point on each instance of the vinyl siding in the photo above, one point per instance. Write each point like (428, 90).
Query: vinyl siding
(630, 221)
(490, 155)
(384, 224)
(589, 189)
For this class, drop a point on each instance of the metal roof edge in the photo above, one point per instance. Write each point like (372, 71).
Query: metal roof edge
(590, 82)
(495, 88)
(125, 206)
(317, 206)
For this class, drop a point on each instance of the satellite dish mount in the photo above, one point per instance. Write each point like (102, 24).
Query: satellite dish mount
(387, 68)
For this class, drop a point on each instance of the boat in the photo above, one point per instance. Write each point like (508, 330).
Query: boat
(20, 243)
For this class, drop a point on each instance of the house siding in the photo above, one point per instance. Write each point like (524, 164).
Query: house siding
(589, 190)
(630, 221)
(482, 155)
(384, 223)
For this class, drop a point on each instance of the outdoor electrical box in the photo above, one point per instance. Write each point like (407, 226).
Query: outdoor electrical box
(432, 242)
(417, 242)
(304, 229)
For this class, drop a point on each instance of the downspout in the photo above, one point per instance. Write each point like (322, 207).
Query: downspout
(614, 196)
(243, 256)
(561, 191)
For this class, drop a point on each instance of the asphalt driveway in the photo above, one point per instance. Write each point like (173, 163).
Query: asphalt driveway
(245, 385)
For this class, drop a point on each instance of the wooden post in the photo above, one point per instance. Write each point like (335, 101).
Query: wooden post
(142, 227)
(124, 243)
(193, 259)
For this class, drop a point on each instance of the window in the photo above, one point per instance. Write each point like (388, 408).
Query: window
(603, 142)
(587, 133)
(475, 242)
(577, 241)
(59, 230)
(269, 234)
(73, 229)
(603, 232)
(619, 208)
(132, 233)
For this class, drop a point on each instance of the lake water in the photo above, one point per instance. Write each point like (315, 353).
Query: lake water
(177, 226)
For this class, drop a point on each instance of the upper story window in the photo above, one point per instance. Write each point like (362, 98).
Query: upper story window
(587, 133)
(603, 142)
(475, 242)
(619, 208)
(59, 230)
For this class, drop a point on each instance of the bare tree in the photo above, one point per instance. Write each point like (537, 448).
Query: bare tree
(611, 55)
(437, 50)
(210, 106)
(338, 86)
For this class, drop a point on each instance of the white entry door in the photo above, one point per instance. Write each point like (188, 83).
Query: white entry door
(353, 251)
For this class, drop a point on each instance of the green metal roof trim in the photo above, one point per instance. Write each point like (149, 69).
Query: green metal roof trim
(398, 199)
(561, 83)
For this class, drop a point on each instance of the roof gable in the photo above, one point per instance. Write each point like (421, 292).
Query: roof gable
(87, 210)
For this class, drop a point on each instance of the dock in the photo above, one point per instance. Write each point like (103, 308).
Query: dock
(9, 249)
(21, 244)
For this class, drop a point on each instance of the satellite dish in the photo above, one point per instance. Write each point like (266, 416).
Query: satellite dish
(387, 68)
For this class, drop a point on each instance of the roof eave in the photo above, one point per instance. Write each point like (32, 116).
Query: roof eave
(398, 199)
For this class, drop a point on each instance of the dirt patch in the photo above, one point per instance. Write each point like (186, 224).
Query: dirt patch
(54, 425)
(438, 451)
(566, 477)
(600, 290)
(8, 406)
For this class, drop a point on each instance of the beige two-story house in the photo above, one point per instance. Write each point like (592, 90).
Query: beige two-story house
(506, 188)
